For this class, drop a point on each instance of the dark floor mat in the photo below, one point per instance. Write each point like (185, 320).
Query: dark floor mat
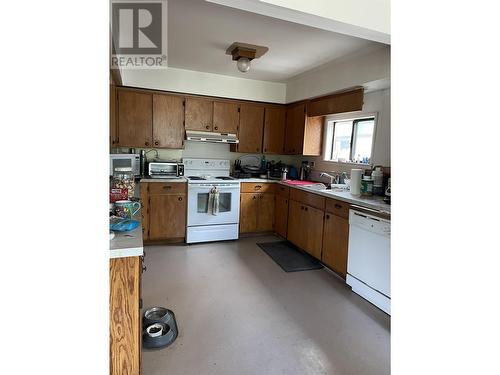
(289, 257)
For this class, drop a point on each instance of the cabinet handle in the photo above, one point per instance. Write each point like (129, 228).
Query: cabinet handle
(265, 149)
(257, 148)
(167, 187)
(286, 200)
(258, 187)
(144, 268)
(216, 128)
(301, 207)
(156, 143)
(305, 208)
(207, 127)
(261, 196)
(337, 205)
(327, 217)
(180, 198)
(146, 143)
(254, 197)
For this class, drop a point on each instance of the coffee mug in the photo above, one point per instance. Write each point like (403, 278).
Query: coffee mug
(127, 209)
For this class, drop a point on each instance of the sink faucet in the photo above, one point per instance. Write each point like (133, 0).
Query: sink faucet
(324, 174)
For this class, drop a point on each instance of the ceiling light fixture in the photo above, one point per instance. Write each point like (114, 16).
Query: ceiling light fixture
(243, 53)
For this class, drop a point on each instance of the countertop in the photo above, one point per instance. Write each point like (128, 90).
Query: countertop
(127, 244)
(373, 202)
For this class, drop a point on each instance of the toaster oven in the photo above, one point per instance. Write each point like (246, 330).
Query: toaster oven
(162, 169)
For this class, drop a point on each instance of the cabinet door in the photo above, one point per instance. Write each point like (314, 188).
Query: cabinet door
(265, 219)
(274, 130)
(167, 216)
(295, 228)
(250, 129)
(335, 241)
(295, 123)
(168, 121)
(248, 212)
(313, 229)
(113, 134)
(281, 215)
(226, 117)
(199, 114)
(135, 118)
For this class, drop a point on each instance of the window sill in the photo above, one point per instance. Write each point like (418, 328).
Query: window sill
(348, 163)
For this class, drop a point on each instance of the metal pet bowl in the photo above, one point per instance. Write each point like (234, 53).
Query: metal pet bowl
(164, 317)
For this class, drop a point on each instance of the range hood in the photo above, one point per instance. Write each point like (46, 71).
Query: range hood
(199, 136)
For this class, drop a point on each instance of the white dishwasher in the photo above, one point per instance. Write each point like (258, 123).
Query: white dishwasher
(369, 258)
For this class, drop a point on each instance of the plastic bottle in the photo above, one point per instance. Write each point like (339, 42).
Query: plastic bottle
(378, 181)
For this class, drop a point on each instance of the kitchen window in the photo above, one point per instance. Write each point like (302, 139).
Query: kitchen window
(350, 139)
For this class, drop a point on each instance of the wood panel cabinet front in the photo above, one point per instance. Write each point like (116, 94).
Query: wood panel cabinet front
(294, 133)
(281, 215)
(167, 216)
(335, 243)
(168, 121)
(295, 233)
(124, 316)
(249, 209)
(313, 230)
(199, 114)
(274, 130)
(135, 118)
(250, 128)
(265, 218)
(226, 117)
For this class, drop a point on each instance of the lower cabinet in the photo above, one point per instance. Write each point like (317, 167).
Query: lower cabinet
(125, 332)
(305, 227)
(335, 243)
(281, 217)
(165, 214)
(256, 212)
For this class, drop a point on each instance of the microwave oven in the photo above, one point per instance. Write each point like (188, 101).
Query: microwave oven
(125, 161)
(163, 169)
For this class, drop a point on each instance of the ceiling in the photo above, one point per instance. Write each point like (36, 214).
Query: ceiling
(200, 32)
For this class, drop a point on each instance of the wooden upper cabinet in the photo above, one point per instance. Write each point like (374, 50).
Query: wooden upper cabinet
(347, 101)
(303, 135)
(335, 243)
(168, 121)
(274, 130)
(251, 126)
(294, 133)
(226, 117)
(199, 114)
(135, 118)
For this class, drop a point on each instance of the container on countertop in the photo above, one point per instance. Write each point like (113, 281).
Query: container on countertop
(123, 178)
(378, 181)
(367, 186)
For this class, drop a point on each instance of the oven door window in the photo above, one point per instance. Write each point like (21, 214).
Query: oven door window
(224, 203)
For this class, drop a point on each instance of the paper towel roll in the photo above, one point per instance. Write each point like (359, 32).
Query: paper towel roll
(356, 181)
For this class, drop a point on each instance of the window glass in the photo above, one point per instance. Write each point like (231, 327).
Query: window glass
(364, 140)
(341, 148)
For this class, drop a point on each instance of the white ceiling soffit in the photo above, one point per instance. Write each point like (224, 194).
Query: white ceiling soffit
(199, 32)
(366, 19)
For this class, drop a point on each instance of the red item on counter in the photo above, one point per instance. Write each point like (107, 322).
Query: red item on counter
(118, 194)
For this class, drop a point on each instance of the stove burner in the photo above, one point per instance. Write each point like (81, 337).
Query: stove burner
(196, 178)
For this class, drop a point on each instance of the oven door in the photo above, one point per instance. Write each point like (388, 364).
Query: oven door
(199, 212)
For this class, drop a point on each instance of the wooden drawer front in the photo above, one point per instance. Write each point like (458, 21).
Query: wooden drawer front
(157, 188)
(338, 208)
(257, 187)
(310, 199)
(284, 191)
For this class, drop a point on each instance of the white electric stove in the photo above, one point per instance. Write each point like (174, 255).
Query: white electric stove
(204, 223)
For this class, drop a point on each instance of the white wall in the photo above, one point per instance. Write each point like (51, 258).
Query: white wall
(380, 102)
(201, 83)
(356, 70)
